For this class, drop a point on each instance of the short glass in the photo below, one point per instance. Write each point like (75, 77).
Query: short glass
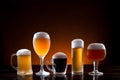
(59, 63)
(24, 65)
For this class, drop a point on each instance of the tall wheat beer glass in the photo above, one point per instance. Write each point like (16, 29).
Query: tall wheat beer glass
(41, 44)
(77, 56)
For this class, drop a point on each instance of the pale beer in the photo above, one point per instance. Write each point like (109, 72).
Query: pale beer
(77, 59)
(77, 56)
(24, 65)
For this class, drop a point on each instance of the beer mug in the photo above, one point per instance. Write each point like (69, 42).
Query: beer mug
(24, 65)
(77, 46)
(59, 63)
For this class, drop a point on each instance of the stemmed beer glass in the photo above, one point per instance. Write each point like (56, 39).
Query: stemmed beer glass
(41, 45)
(96, 52)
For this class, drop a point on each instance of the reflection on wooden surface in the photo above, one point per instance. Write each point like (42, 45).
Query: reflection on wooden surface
(110, 73)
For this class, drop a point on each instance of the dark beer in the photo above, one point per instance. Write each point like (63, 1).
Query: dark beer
(60, 64)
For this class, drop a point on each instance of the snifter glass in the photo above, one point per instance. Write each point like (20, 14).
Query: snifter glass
(41, 45)
(96, 52)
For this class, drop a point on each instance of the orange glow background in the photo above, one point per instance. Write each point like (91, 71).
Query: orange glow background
(63, 21)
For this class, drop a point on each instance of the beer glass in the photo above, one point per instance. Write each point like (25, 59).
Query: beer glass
(41, 45)
(77, 56)
(59, 63)
(96, 52)
(24, 65)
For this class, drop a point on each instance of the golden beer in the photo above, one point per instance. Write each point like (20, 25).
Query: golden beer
(24, 63)
(41, 46)
(77, 56)
(77, 59)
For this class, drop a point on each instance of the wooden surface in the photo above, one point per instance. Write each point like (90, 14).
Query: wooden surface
(110, 73)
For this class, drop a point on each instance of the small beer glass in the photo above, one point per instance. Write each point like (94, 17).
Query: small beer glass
(59, 63)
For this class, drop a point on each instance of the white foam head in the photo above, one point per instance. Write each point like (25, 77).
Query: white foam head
(77, 43)
(23, 52)
(96, 46)
(41, 35)
(59, 55)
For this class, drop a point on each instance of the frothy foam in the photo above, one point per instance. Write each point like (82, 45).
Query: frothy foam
(23, 52)
(96, 46)
(59, 55)
(77, 43)
(41, 35)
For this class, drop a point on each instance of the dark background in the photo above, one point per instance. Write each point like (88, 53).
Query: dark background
(91, 20)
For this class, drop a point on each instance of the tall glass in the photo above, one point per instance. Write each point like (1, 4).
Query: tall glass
(41, 44)
(77, 56)
(96, 52)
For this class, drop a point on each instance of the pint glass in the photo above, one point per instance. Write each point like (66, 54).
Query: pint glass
(24, 65)
(77, 56)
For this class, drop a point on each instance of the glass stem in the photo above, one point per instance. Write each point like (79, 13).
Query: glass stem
(42, 64)
(95, 64)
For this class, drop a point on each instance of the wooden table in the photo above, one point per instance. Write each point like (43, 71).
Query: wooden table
(110, 73)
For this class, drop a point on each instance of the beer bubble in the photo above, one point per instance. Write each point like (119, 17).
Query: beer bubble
(41, 35)
(77, 43)
(59, 55)
(23, 52)
(96, 46)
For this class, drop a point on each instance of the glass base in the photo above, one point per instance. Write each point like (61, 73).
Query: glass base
(93, 73)
(42, 73)
(77, 73)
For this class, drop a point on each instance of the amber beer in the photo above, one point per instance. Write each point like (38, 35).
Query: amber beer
(77, 56)
(24, 62)
(24, 65)
(96, 52)
(41, 45)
